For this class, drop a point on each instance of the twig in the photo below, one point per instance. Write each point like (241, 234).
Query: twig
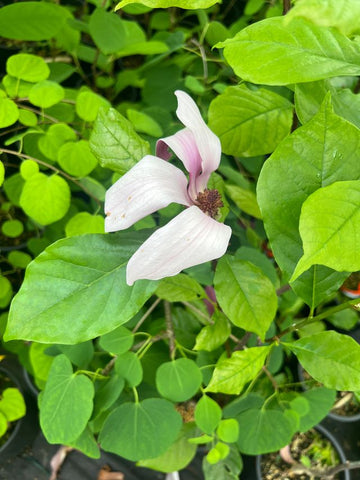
(327, 474)
(169, 328)
(286, 6)
(146, 314)
(54, 169)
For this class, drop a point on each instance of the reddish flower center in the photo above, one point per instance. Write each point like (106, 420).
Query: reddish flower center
(209, 201)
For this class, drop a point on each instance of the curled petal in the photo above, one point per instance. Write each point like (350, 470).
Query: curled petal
(184, 146)
(189, 239)
(208, 144)
(150, 185)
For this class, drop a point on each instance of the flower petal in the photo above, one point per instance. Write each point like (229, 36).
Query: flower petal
(189, 239)
(150, 185)
(208, 144)
(184, 146)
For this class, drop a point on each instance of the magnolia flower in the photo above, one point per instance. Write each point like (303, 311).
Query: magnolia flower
(193, 236)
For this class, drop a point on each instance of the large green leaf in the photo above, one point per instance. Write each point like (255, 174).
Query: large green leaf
(250, 122)
(66, 403)
(212, 336)
(343, 14)
(263, 431)
(276, 52)
(232, 374)
(115, 142)
(245, 294)
(186, 4)
(331, 358)
(32, 21)
(77, 289)
(321, 152)
(147, 429)
(330, 228)
(76, 158)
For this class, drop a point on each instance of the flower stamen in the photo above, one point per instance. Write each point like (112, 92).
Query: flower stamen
(209, 201)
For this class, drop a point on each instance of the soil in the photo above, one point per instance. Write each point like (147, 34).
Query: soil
(305, 447)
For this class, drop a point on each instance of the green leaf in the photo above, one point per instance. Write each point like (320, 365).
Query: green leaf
(332, 13)
(32, 21)
(28, 168)
(76, 158)
(178, 380)
(27, 67)
(250, 122)
(40, 363)
(115, 143)
(260, 260)
(185, 4)
(9, 112)
(19, 259)
(88, 104)
(108, 393)
(79, 354)
(263, 431)
(84, 222)
(177, 456)
(44, 198)
(12, 228)
(107, 31)
(244, 199)
(128, 367)
(345, 319)
(118, 341)
(180, 288)
(320, 402)
(277, 52)
(213, 336)
(207, 414)
(144, 123)
(226, 469)
(86, 444)
(147, 429)
(329, 228)
(321, 152)
(245, 294)
(331, 358)
(45, 94)
(3, 424)
(232, 374)
(50, 143)
(317, 284)
(228, 430)
(66, 403)
(12, 404)
(80, 278)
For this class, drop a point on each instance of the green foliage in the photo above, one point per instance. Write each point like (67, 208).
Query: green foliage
(154, 420)
(151, 371)
(276, 52)
(73, 294)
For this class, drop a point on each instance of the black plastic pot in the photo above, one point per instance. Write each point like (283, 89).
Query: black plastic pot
(27, 427)
(345, 475)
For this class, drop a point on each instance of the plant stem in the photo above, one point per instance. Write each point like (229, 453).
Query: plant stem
(306, 321)
(146, 314)
(169, 328)
(286, 6)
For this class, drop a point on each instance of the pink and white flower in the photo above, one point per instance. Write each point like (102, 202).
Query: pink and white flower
(193, 236)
